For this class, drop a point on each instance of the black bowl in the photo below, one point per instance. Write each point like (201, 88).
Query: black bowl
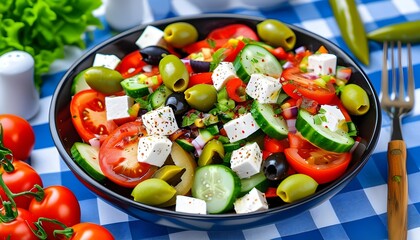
(64, 134)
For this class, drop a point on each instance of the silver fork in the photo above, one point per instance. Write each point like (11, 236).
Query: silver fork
(397, 103)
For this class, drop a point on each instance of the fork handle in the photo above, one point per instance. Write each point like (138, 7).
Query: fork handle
(397, 190)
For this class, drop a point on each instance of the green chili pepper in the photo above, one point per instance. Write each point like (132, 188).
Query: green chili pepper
(404, 32)
(352, 28)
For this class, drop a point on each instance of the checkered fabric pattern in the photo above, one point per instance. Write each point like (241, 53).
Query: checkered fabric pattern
(357, 212)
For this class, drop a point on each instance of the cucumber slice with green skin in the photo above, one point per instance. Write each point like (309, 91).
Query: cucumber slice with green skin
(185, 144)
(320, 136)
(158, 97)
(88, 158)
(218, 185)
(270, 123)
(256, 59)
(230, 147)
(259, 181)
(79, 83)
(134, 89)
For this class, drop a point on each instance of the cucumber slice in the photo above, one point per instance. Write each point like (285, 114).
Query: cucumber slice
(256, 59)
(230, 147)
(218, 185)
(133, 88)
(270, 123)
(79, 83)
(259, 181)
(87, 157)
(185, 144)
(158, 97)
(320, 136)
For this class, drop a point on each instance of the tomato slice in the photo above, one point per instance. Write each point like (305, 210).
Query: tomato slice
(233, 31)
(296, 140)
(297, 84)
(118, 156)
(131, 64)
(321, 165)
(200, 78)
(274, 145)
(87, 109)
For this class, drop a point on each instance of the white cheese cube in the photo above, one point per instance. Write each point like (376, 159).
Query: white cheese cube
(322, 64)
(251, 202)
(154, 150)
(151, 36)
(104, 60)
(190, 205)
(117, 107)
(264, 89)
(246, 161)
(160, 121)
(241, 127)
(333, 117)
(223, 73)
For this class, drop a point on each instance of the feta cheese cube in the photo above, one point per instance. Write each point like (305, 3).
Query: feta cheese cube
(151, 36)
(154, 150)
(117, 107)
(241, 127)
(104, 60)
(333, 117)
(251, 202)
(160, 121)
(223, 73)
(322, 64)
(246, 161)
(190, 205)
(264, 89)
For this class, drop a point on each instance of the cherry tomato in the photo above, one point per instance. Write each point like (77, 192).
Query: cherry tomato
(274, 145)
(18, 135)
(321, 165)
(199, 78)
(296, 84)
(59, 203)
(88, 115)
(233, 31)
(23, 178)
(19, 228)
(131, 64)
(82, 231)
(118, 156)
(235, 88)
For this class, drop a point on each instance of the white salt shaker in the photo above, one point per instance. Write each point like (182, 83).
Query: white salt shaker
(18, 94)
(124, 14)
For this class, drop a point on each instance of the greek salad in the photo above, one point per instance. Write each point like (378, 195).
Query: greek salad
(234, 122)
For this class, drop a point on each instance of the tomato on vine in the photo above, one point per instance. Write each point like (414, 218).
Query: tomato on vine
(18, 135)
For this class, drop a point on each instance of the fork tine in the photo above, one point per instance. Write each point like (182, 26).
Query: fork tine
(384, 83)
(401, 73)
(410, 73)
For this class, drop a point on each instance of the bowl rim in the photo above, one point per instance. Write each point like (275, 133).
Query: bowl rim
(335, 186)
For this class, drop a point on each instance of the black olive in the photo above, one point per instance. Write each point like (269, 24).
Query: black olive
(275, 167)
(200, 66)
(178, 103)
(153, 54)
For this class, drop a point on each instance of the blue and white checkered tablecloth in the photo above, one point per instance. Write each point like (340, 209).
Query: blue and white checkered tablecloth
(357, 212)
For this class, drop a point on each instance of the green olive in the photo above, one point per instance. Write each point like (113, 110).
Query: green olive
(104, 80)
(295, 187)
(355, 99)
(276, 33)
(153, 191)
(201, 97)
(180, 34)
(170, 174)
(174, 74)
(212, 151)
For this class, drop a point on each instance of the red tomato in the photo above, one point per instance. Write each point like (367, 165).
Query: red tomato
(83, 231)
(23, 178)
(88, 115)
(118, 156)
(296, 84)
(18, 135)
(235, 88)
(321, 165)
(59, 203)
(232, 49)
(131, 64)
(296, 140)
(274, 145)
(19, 228)
(233, 31)
(279, 53)
(199, 78)
(206, 43)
